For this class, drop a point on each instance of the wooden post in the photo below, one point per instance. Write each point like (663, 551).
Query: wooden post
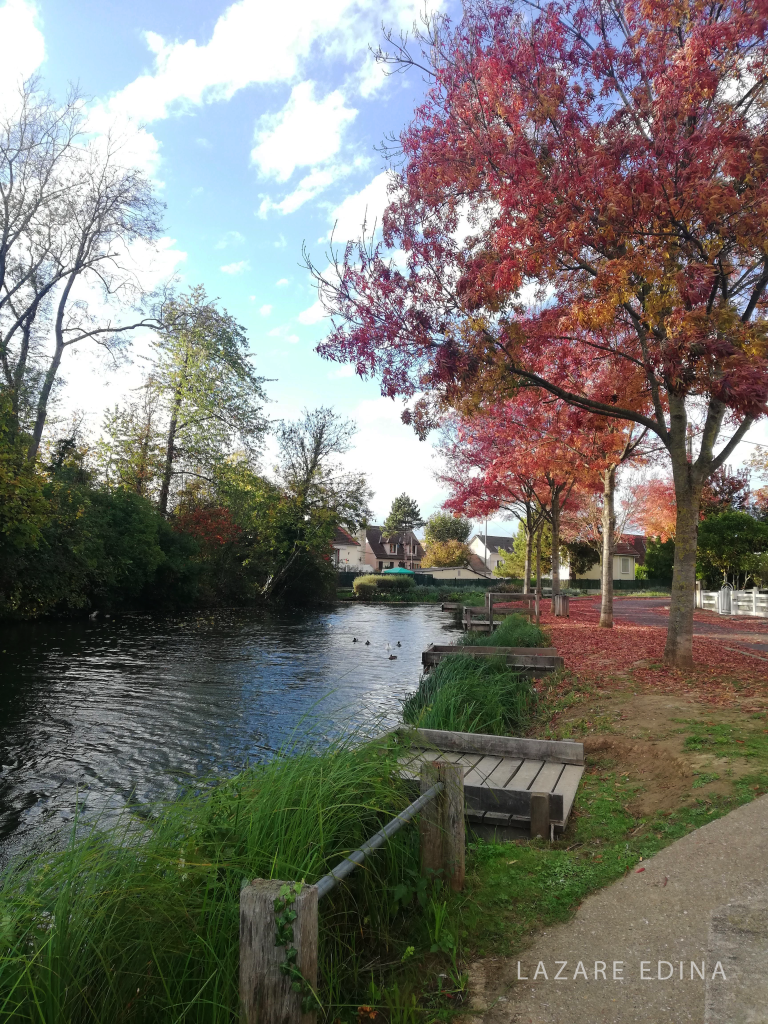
(540, 815)
(538, 599)
(442, 823)
(266, 996)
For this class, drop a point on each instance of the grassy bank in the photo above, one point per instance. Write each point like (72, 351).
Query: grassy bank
(140, 922)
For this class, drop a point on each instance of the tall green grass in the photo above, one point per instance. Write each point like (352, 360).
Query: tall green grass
(139, 922)
(466, 694)
(514, 631)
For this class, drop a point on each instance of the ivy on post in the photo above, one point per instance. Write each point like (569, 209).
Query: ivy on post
(278, 953)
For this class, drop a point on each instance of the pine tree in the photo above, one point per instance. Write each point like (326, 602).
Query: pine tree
(404, 515)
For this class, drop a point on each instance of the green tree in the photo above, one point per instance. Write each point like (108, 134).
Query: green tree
(581, 556)
(442, 526)
(446, 553)
(129, 452)
(309, 472)
(403, 515)
(730, 544)
(513, 562)
(660, 560)
(206, 384)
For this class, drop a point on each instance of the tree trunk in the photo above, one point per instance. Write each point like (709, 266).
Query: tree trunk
(165, 487)
(555, 523)
(609, 526)
(538, 557)
(528, 559)
(42, 402)
(679, 648)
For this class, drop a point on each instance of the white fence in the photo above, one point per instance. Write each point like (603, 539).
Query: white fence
(733, 602)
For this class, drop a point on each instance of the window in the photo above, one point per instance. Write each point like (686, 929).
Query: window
(393, 549)
(381, 565)
(626, 566)
(391, 565)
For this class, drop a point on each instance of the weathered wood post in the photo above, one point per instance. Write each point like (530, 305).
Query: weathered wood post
(538, 600)
(442, 823)
(540, 822)
(266, 996)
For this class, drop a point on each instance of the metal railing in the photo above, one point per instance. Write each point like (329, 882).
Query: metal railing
(348, 865)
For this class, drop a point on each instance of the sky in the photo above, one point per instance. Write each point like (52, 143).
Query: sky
(258, 123)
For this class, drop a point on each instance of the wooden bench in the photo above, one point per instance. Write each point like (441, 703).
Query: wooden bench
(504, 776)
(533, 661)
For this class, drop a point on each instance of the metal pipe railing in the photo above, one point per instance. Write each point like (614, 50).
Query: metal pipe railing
(348, 865)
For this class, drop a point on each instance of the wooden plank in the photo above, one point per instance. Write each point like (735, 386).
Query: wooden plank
(546, 652)
(548, 777)
(563, 751)
(525, 776)
(567, 786)
(500, 776)
(478, 775)
(508, 801)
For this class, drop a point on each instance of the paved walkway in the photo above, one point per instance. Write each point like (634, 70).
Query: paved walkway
(643, 612)
(642, 931)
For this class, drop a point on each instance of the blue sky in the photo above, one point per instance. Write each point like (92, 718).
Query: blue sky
(258, 121)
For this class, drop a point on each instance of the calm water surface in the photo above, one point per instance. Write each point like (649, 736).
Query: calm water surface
(94, 715)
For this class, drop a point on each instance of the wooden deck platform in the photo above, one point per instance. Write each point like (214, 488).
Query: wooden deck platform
(501, 773)
(535, 661)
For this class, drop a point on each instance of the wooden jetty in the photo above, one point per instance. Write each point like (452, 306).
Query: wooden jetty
(509, 781)
(533, 661)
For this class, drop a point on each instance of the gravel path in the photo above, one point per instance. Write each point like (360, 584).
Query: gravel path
(626, 946)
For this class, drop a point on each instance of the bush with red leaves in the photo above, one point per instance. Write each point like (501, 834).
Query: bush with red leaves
(214, 527)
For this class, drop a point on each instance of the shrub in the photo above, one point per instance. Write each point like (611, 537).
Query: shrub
(389, 583)
(365, 587)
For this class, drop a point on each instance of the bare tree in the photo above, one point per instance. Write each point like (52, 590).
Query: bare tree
(69, 212)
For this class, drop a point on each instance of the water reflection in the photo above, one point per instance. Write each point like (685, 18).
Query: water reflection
(94, 714)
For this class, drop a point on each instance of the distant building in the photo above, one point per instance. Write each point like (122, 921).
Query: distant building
(349, 551)
(629, 553)
(489, 550)
(392, 551)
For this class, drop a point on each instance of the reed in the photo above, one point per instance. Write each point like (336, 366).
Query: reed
(139, 921)
(513, 631)
(469, 694)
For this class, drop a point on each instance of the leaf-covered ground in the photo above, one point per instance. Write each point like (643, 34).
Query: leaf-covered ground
(632, 653)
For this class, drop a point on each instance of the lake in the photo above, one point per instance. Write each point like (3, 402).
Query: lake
(95, 715)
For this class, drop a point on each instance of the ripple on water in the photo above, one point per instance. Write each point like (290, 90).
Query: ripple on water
(94, 715)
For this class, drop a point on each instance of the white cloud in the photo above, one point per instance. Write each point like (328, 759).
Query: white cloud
(282, 333)
(313, 315)
(265, 310)
(282, 282)
(230, 238)
(23, 45)
(281, 242)
(234, 268)
(305, 133)
(368, 204)
(341, 372)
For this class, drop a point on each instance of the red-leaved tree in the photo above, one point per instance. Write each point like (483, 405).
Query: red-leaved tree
(606, 163)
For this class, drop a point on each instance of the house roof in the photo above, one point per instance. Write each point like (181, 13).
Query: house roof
(476, 563)
(632, 544)
(494, 543)
(379, 543)
(344, 539)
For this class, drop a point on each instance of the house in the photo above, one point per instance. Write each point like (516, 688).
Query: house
(400, 550)
(629, 553)
(348, 551)
(489, 550)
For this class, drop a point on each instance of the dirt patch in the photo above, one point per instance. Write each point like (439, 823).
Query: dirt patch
(643, 736)
(665, 778)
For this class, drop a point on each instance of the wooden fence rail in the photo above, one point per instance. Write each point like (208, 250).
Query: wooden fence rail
(266, 992)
